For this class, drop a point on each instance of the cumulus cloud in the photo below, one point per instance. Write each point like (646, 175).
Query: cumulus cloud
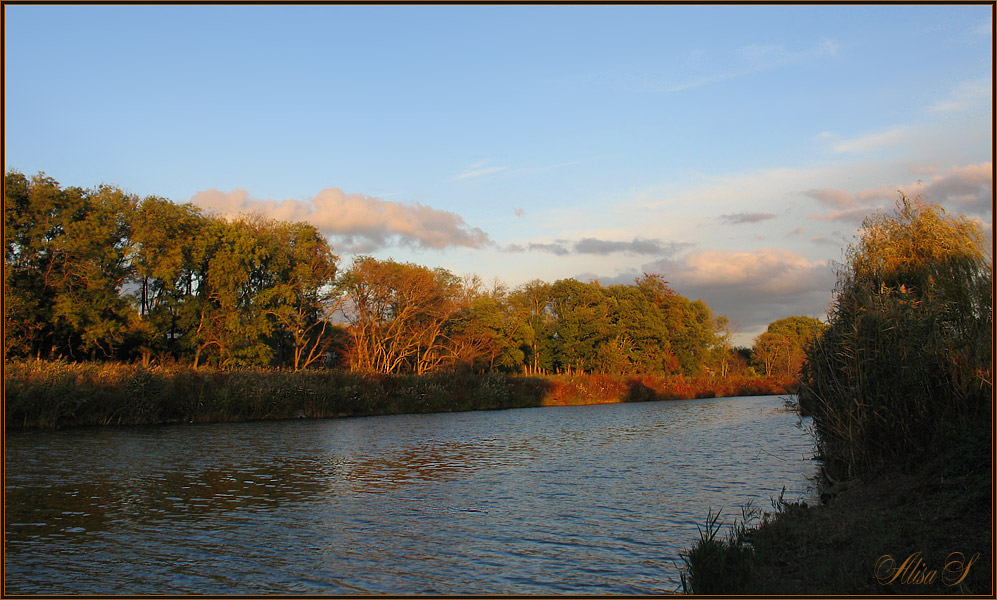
(751, 286)
(744, 217)
(969, 188)
(362, 223)
(604, 247)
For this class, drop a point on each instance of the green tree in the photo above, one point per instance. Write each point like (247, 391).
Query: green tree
(781, 349)
(232, 312)
(303, 298)
(580, 325)
(66, 260)
(532, 300)
(168, 255)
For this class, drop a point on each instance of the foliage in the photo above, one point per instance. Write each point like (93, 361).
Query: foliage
(906, 364)
(781, 349)
(397, 313)
(102, 274)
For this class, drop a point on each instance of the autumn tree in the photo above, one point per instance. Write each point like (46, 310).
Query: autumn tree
(781, 348)
(396, 312)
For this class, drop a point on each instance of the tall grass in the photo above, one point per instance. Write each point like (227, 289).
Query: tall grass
(56, 394)
(906, 364)
(59, 394)
(719, 565)
(597, 388)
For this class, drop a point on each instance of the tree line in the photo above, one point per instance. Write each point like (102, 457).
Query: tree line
(100, 274)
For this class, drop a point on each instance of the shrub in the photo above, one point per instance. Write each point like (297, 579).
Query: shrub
(906, 363)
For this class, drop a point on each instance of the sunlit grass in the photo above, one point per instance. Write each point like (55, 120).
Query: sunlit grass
(60, 394)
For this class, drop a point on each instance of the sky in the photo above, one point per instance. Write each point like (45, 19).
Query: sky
(734, 150)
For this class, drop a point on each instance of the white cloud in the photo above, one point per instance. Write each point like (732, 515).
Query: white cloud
(360, 222)
(875, 141)
(478, 169)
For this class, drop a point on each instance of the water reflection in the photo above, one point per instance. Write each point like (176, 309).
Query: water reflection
(596, 499)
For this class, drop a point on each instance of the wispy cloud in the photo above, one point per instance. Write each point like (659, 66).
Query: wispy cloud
(983, 30)
(875, 141)
(966, 189)
(834, 198)
(636, 246)
(478, 169)
(745, 217)
(751, 59)
(595, 246)
(557, 248)
(360, 223)
(853, 215)
(967, 95)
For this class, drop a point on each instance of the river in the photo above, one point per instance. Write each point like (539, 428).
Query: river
(562, 500)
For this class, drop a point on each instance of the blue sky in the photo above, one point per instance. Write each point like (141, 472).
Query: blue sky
(733, 149)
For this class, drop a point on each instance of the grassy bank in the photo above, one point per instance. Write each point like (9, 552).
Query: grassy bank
(925, 513)
(54, 394)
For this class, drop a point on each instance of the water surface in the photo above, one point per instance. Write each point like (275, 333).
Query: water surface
(584, 500)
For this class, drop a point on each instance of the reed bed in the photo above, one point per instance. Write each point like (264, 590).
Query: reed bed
(58, 394)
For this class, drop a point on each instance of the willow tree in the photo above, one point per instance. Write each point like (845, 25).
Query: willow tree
(168, 257)
(303, 299)
(397, 313)
(66, 261)
(906, 361)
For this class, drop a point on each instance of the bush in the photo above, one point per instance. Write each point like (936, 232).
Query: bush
(906, 363)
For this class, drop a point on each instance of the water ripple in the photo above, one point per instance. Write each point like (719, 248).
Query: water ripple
(584, 500)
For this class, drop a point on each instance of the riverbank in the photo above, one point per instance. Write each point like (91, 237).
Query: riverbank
(39, 394)
(894, 533)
